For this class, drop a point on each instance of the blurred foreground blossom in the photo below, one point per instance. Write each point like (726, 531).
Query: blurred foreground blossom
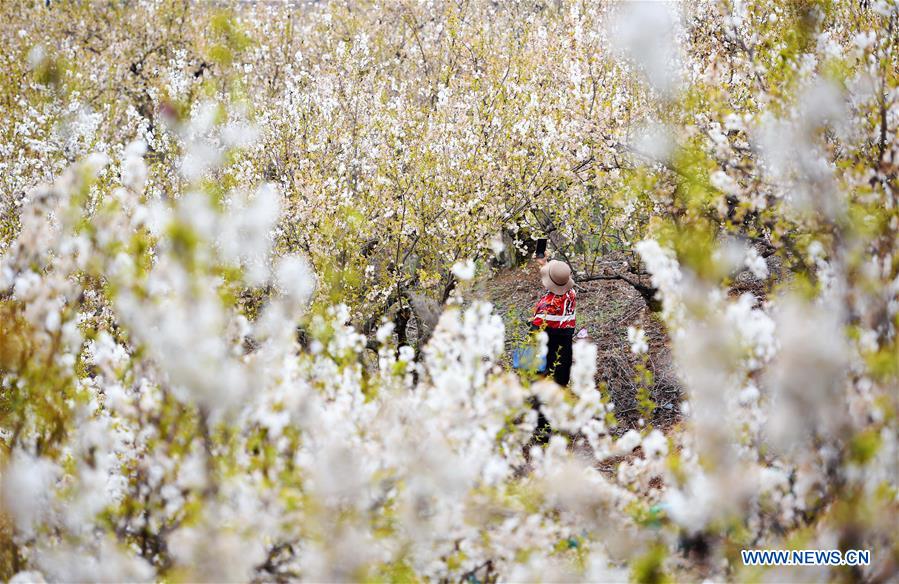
(464, 270)
(637, 338)
(647, 34)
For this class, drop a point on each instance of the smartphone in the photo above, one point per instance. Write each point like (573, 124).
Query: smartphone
(541, 248)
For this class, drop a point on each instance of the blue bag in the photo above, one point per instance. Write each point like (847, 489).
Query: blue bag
(526, 358)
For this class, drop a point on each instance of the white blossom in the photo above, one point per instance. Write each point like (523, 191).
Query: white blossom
(464, 270)
(637, 339)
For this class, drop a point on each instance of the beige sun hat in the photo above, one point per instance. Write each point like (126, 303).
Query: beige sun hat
(556, 277)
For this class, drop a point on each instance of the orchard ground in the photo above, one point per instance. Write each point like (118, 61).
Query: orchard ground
(606, 308)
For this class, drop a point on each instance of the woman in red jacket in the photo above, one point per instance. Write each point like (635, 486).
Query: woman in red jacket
(555, 314)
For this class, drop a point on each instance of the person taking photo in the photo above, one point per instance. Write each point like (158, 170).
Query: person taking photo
(554, 313)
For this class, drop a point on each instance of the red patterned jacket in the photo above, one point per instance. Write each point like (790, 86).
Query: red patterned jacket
(555, 311)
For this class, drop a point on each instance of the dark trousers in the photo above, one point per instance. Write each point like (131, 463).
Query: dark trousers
(558, 364)
(558, 354)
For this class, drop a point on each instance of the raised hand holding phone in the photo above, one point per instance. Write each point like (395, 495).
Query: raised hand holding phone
(540, 254)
